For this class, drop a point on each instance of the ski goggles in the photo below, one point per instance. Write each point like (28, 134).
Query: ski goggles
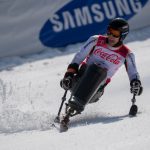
(113, 32)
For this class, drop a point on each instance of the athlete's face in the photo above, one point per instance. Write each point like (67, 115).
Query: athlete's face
(113, 36)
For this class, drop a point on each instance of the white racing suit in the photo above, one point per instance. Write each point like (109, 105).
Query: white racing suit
(96, 50)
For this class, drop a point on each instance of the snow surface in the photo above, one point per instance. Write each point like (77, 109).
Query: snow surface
(30, 97)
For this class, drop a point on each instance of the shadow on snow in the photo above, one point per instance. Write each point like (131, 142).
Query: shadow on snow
(88, 120)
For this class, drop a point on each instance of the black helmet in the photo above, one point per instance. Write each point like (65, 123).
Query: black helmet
(121, 25)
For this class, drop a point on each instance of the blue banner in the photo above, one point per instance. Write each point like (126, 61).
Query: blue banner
(80, 19)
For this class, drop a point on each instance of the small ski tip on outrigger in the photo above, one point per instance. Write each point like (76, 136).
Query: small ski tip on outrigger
(134, 109)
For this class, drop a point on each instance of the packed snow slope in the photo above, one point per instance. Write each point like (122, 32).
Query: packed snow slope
(30, 97)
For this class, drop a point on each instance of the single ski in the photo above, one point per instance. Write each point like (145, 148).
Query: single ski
(61, 125)
(56, 126)
(64, 123)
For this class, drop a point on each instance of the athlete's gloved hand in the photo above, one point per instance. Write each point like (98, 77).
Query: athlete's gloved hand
(66, 82)
(136, 87)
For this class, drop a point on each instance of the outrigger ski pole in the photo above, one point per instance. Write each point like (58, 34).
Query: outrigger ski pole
(134, 108)
(57, 119)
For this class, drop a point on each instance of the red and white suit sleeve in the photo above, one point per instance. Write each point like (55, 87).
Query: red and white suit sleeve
(85, 50)
(131, 67)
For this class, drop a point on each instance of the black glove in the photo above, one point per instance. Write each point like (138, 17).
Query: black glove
(136, 87)
(66, 83)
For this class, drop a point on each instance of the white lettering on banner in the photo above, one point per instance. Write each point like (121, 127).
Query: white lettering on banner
(109, 10)
(90, 14)
(113, 58)
(58, 26)
(99, 16)
(123, 7)
(136, 6)
(68, 20)
(83, 18)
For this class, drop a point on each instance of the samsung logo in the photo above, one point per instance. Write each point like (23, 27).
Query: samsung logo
(79, 19)
(87, 15)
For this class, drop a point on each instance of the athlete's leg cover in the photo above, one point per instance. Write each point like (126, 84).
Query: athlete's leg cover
(89, 84)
